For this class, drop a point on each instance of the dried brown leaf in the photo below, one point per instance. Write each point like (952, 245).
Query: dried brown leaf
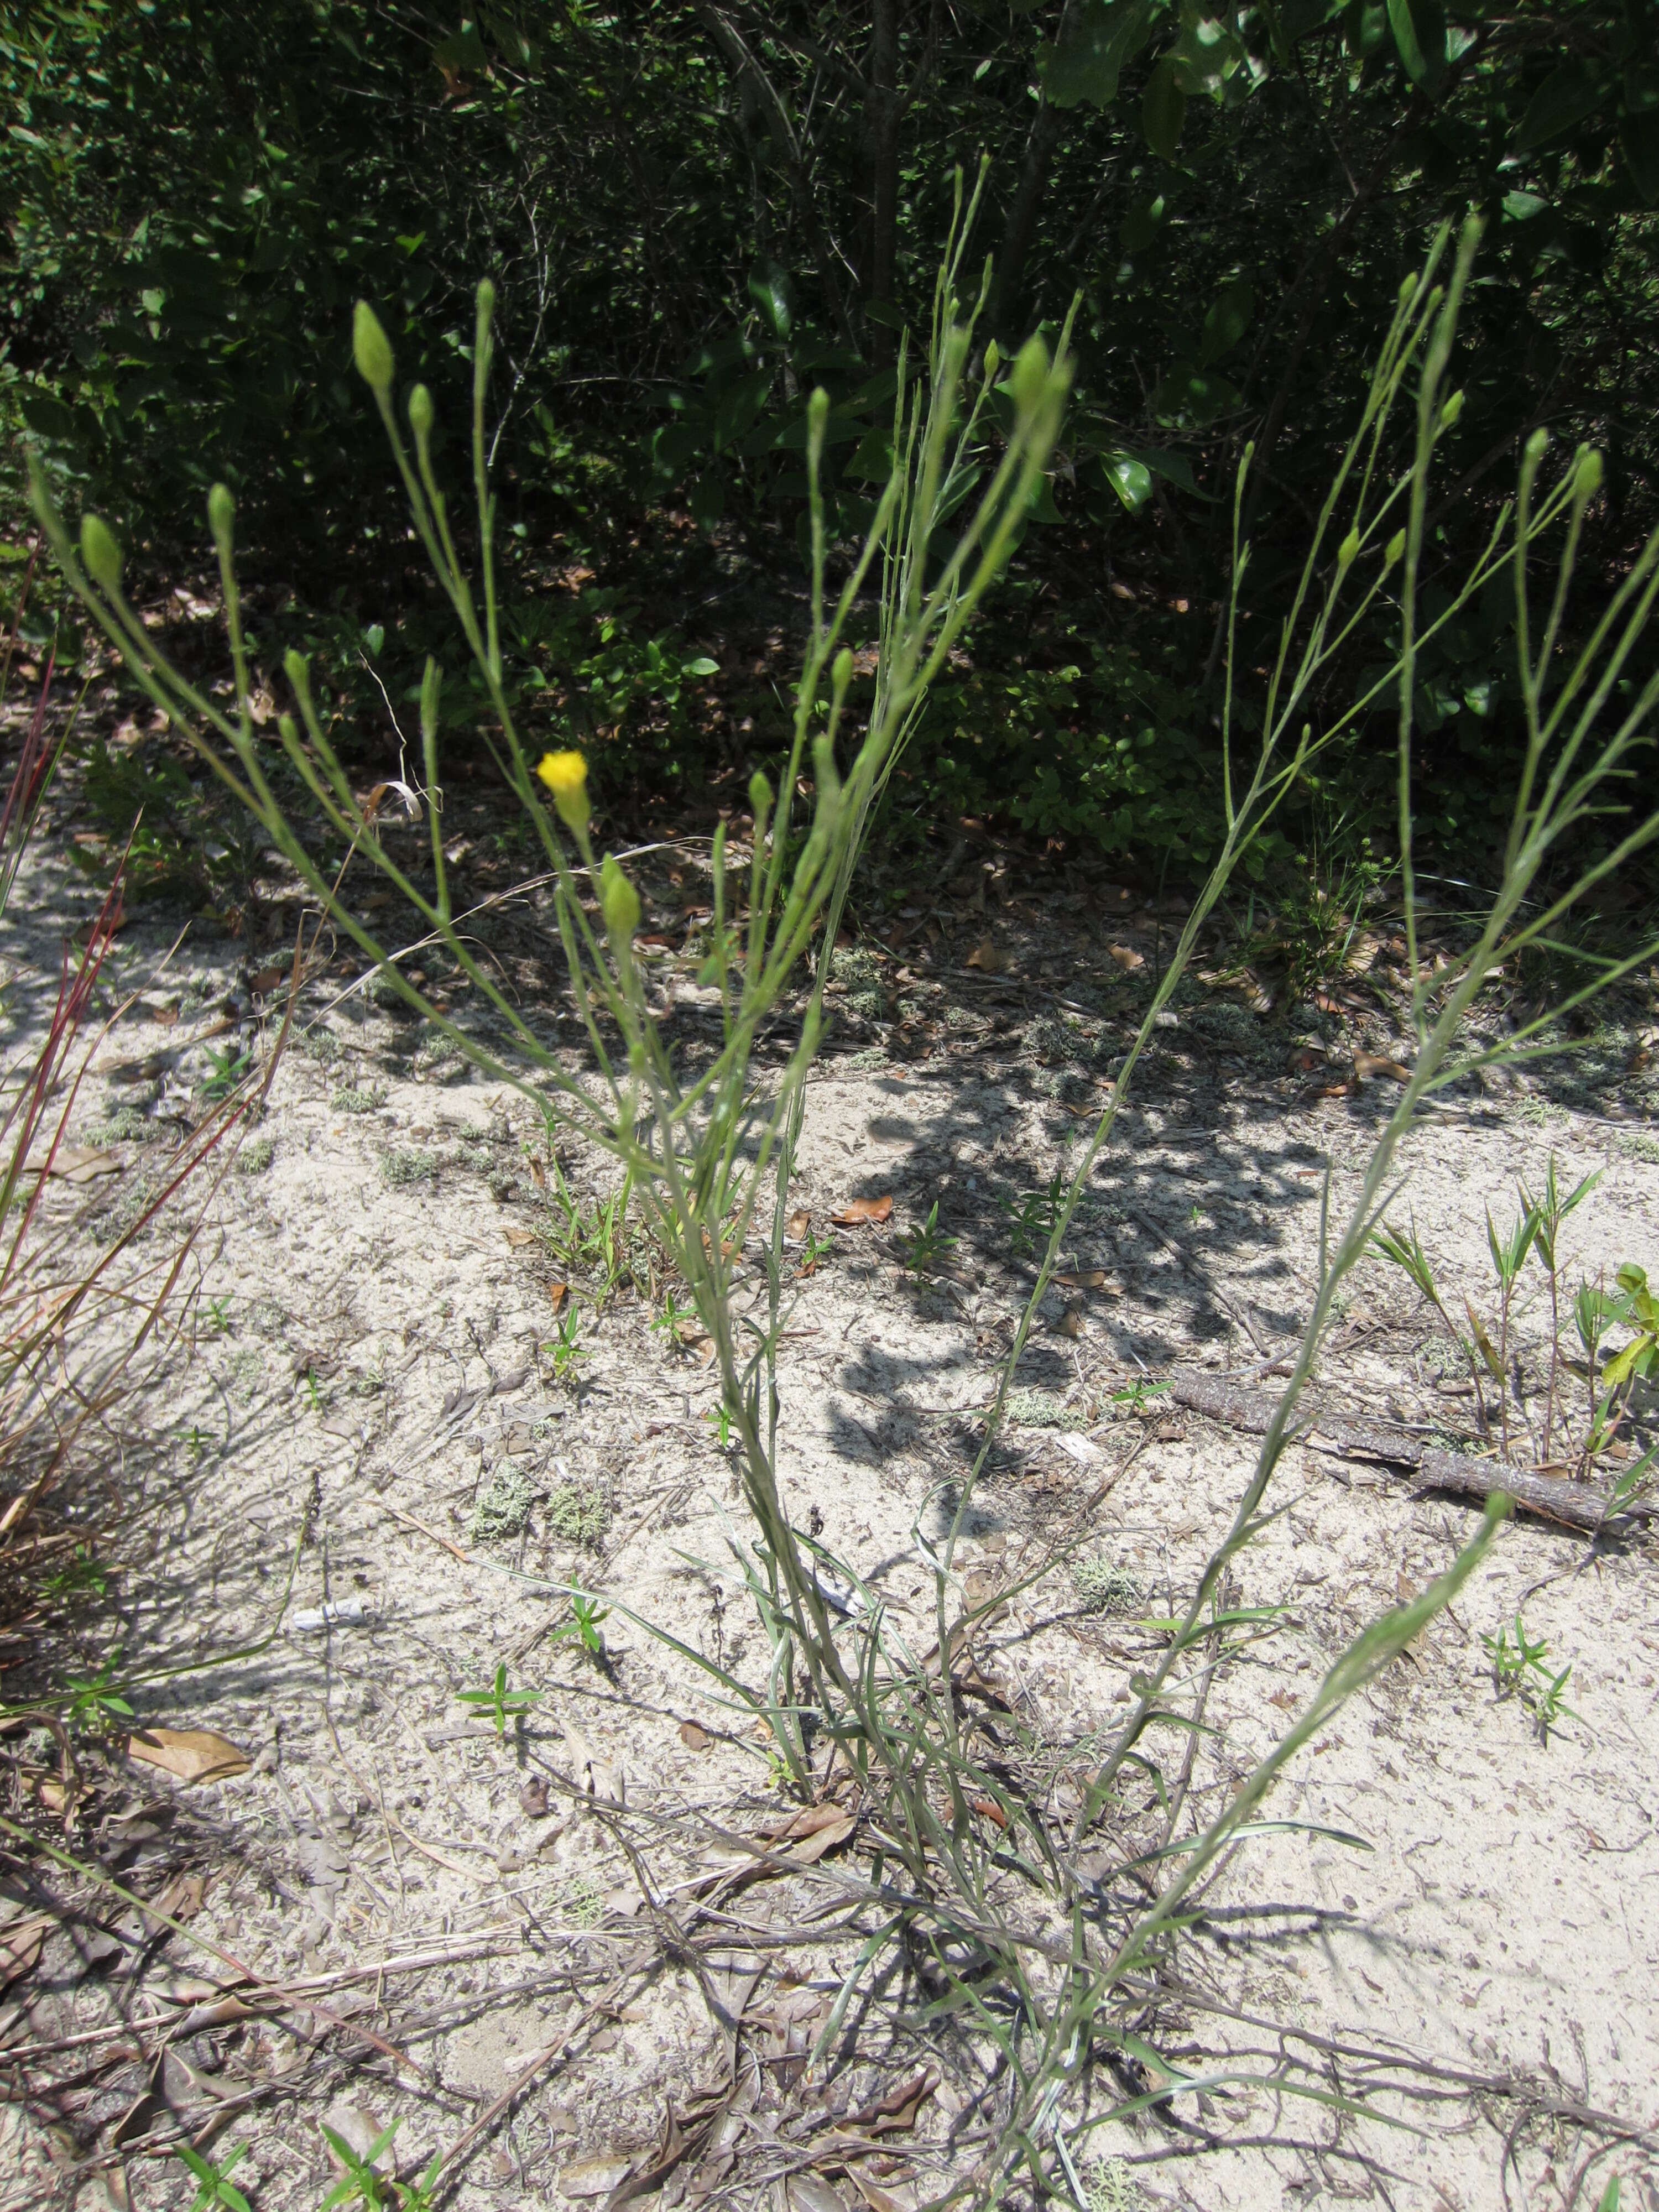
(858, 1211)
(693, 1737)
(1126, 958)
(988, 956)
(797, 1229)
(1082, 1279)
(518, 1236)
(20, 1945)
(190, 1754)
(1368, 1064)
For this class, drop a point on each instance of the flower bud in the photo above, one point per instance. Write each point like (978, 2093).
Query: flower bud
(297, 669)
(1537, 444)
(101, 554)
(221, 516)
(760, 796)
(565, 775)
(1396, 547)
(1451, 411)
(486, 298)
(371, 349)
(993, 360)
(421, 414)
(1029, 374)
(818, 413)
(1348, 552)
(286, 731)
(619, 902)
(1588, 480)
(841, 670)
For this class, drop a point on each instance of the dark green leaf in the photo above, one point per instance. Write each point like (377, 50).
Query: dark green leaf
(1208, 55)
(1228, 320)
(1097, 39)
(1638, 140)
(1193, 397)
(1566, 96)
(1163, 110)
(1130, 478)
(873, 461)
(1419, 34)
(1365, 27)
(1140, 226)
(771, 290)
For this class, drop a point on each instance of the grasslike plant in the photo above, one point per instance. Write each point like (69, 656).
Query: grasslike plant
(972, 1872)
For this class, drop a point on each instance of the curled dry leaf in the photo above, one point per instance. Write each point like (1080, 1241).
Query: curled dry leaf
(1126, 958)
(517, 1236)
(693, 1737)
(988, 956)
(595, 2177)
(189, 1754)
(1368, 1064)
(76, 1164)
(1082, 1279)
(797, 1229)
(812, 1834)
(20, 1945)
(858, 1211)
(556, 1293)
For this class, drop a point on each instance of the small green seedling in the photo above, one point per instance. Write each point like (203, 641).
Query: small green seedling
(85, 1576)
(213, 2185)
(218, 1317)
(818, 1249)
(93, 1703)
(229, 1068)
(566, 1349)
(719, 1418)
(587, 1613)
(1519, 1671)
(1030, 1224)
(360, 2182)
(1139, 1392)
(921, 1251)
(500, 1703)
(673, 1321)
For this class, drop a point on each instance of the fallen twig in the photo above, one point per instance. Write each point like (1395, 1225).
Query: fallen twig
(1581, 1505)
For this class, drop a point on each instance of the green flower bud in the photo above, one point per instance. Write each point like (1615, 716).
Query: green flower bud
(297, 669)
(619, 902)
(1537, 444)
(841, 670)
(221, 516)
(431, 686)
(1408, 286)
(993, 360)
(1029, 374)
(286, 731)
(760, 796)
(1396, 546)
(1588, 482)
(486, 297)
(1451, 411)
(371, 350)
(101, 554)
(818, 412)
(422, 413)
(1348, 552)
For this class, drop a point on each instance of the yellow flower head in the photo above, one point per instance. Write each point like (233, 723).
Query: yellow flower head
(565, 775)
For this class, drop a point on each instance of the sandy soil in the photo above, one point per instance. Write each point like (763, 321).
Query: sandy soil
(374, 1371)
